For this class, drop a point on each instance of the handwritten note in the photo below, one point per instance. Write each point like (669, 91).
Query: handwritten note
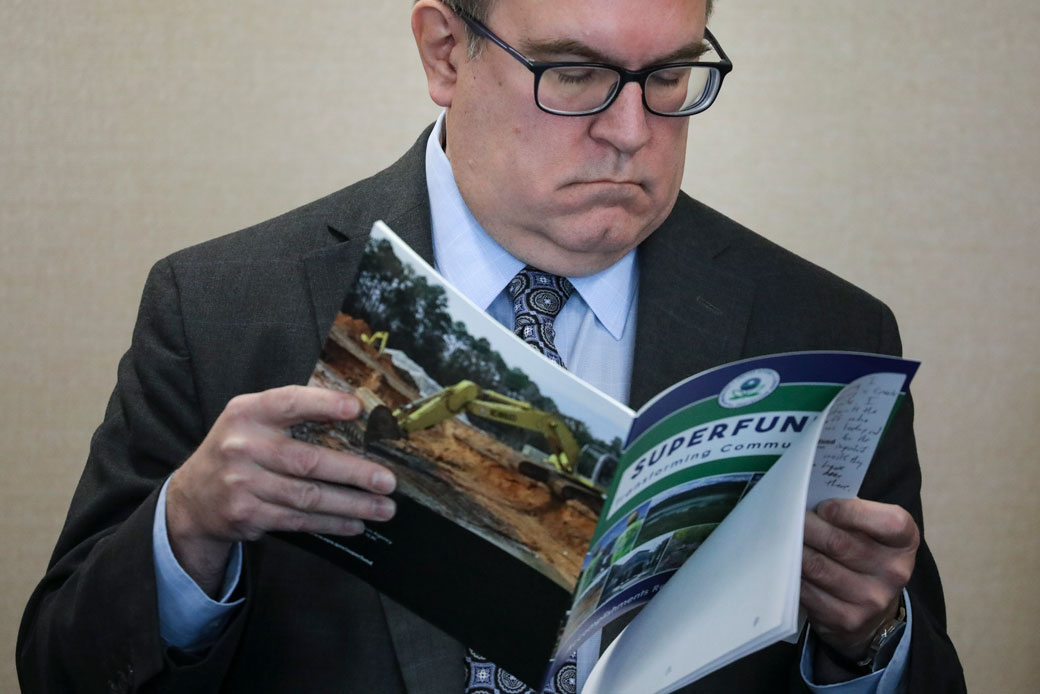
(851, 431)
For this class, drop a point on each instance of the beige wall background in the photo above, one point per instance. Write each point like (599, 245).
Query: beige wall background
(894, 143)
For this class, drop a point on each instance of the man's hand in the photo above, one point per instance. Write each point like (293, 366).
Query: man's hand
(249, 477)
(858, 557)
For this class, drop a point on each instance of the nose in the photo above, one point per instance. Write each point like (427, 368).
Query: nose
(624, 124)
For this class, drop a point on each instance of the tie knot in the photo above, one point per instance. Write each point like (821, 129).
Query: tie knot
(537, 299)
(541, 292)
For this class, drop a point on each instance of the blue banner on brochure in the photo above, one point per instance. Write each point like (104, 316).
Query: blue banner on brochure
(796, 367)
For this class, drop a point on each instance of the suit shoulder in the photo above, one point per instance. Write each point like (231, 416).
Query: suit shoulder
(322, 222)
(743, 251)
(287, 236)
(796, 303)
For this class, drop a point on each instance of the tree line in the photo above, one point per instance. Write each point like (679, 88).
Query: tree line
(391, 296)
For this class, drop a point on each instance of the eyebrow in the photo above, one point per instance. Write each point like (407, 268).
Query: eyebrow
(690, 52)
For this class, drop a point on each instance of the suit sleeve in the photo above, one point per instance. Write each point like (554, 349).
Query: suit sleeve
(895, 477)
(92, 623)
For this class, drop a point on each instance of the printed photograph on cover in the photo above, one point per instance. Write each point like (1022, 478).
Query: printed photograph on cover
(637, 564)
(475, 424)
(654, 540)
(696, 507)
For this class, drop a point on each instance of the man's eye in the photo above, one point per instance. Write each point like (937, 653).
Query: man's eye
(669, 78)
(573, 75)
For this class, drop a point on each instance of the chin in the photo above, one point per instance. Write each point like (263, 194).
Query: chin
(607, 231)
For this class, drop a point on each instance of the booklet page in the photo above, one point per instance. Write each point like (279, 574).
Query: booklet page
(687, 465)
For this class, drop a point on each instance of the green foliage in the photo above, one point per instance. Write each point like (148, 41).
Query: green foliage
(389, 295)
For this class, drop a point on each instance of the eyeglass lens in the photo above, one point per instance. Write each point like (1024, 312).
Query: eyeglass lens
(577, 89)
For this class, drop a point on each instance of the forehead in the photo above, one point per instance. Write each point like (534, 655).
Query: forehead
(632, 33)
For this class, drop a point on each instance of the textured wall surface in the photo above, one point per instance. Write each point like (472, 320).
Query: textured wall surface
(864, 136)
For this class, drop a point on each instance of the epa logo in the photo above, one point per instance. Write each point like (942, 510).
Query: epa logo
(749, 388)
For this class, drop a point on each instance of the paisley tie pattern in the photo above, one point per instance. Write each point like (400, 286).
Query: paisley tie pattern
(484, 677)
(537, 300)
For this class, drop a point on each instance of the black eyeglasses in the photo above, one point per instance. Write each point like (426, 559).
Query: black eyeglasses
(582, 89)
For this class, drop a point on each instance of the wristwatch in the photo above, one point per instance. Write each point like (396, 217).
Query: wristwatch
(885, 640)
(879, 652)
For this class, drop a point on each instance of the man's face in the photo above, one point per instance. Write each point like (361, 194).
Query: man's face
(570, 195)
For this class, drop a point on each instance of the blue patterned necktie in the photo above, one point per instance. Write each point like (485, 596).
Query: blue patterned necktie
(484, 677)
(537, 300)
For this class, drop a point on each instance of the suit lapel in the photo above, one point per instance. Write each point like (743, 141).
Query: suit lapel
(330, 274)
(692, 315)
(431, 661)
(398, 196)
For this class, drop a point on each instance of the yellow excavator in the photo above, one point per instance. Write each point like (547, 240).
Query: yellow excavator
(570, 470)
(379, 337)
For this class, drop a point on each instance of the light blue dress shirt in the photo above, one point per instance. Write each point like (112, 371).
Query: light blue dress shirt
(595, 330)
(595, 335)
(188, 618)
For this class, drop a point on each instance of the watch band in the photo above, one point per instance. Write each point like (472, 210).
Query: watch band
(879, 652)
(885, 634)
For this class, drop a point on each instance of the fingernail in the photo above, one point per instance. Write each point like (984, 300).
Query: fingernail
(385, 508)
(383, 481)
(349, 407)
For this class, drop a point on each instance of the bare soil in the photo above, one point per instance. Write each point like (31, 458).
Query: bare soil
(455, 468)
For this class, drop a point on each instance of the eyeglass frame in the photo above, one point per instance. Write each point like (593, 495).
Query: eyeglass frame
(540, 67)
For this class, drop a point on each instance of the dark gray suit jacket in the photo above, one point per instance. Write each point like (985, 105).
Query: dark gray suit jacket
(250, 311)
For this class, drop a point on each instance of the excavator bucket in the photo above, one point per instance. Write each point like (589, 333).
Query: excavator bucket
(382, 424)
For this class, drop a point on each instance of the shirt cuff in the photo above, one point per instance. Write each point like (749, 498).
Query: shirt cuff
(888, 680)
(188, 618)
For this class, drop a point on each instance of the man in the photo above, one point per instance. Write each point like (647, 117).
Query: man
(165, 577)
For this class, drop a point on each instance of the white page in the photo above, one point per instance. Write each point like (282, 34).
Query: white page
(738, 594)
(851, 434)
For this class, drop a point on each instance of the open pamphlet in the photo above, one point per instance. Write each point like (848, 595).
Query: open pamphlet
(538, 517)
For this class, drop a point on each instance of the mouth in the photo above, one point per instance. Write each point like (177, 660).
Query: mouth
(607, 187)
(607, 182)
(612, 186)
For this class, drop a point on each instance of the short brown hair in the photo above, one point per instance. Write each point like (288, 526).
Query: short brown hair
(480, 9)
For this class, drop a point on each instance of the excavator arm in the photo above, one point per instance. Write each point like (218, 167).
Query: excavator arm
(468, 397)
(563, 469)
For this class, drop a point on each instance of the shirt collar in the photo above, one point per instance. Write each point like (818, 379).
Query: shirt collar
(480, 268)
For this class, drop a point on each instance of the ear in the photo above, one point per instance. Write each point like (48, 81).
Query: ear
(441, 39)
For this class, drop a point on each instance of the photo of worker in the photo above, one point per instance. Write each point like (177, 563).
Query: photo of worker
(617, 541)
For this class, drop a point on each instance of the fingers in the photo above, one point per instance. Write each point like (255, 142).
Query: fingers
(887, 524)
(848, 548)
(311, 462)
(250, 518)
(842, 584)
(274, 481)
(309, 497)
(858, 553)
(283, 407)
(252, 429)
(249, 477)
(858, 556)
(828, 613)
(845, 606)
(263, 517)
(846, 627)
